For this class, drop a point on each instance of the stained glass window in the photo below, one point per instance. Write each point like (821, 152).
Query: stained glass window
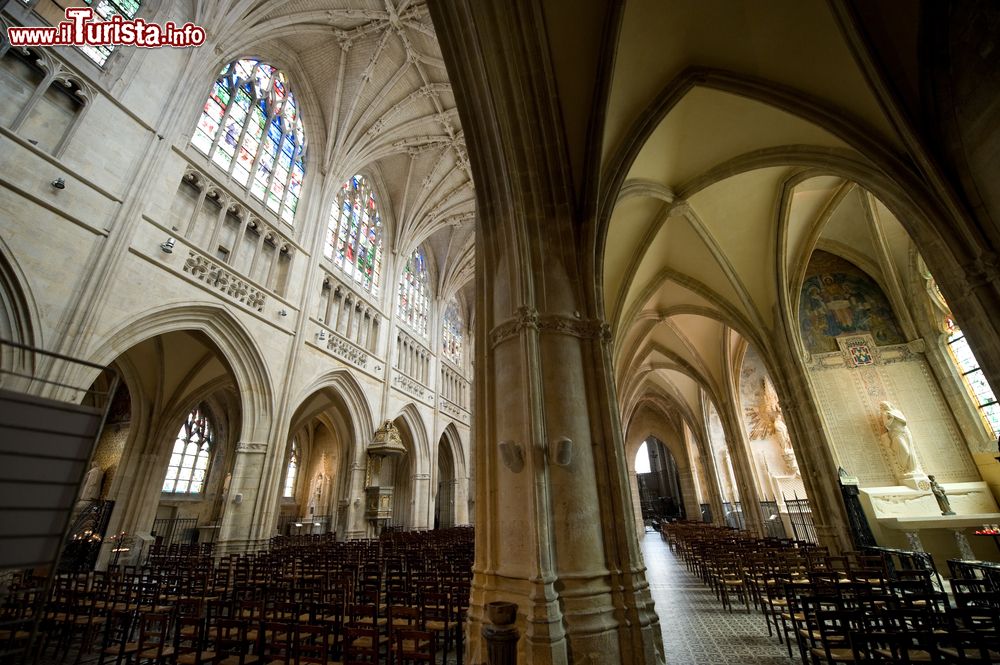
(250, 128)
(189, 461)
(414, 293)
(292, 471)
(973, 377)
(106, 10)
(354, 234)
(452, 330)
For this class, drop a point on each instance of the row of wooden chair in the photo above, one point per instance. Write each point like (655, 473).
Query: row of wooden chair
(849, 608)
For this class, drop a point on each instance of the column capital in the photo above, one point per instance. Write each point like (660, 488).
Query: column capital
(559, 324)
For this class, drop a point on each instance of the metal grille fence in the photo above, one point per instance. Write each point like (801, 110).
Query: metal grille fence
(800, 516)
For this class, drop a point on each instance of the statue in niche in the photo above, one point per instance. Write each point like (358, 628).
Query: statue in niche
(92, 482)
(941, 496)
(901, 442)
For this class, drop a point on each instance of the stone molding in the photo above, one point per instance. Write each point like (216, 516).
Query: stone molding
(251, 448)
(528, 318)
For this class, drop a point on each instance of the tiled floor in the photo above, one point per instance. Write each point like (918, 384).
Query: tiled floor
(696, 629)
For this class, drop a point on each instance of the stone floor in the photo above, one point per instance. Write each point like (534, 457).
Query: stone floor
(696, 628)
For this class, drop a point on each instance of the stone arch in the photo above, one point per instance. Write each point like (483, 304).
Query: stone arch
(412, 472)
(233, 341)
(354, 429)
(454, 441)
(18, 313)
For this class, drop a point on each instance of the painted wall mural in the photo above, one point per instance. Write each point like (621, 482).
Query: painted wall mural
(838, 298)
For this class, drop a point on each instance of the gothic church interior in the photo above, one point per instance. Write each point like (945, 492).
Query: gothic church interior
(520, 289)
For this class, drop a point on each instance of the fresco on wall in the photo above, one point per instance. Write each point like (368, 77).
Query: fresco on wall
(838, 298)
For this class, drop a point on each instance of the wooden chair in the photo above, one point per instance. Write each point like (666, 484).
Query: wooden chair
(228, 638)
(361, 645)
(311, 645)
(116, 642)
(154, 643)
(190, 642)
(277, 642)
(414, 646)
(438, 618)
(836, 629)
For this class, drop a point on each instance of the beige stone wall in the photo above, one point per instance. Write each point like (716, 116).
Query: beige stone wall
(849, 396)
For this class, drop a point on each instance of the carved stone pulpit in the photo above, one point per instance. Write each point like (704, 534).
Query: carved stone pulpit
(378, 500)
(378, 504)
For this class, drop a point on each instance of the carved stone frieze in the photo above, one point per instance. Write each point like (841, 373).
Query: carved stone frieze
(409, 385)
(456, 412)
(251, 448)
(215, 275)
(347, 351)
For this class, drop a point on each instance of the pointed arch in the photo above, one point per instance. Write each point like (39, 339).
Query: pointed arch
(234, 342)
(18, 312)
(453, 439)
(346, 388)
(410, 417)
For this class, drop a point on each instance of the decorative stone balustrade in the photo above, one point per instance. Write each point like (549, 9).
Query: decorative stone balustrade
(218, 277)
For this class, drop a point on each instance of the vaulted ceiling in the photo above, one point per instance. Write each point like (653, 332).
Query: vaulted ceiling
(738, 132)
(376, 99)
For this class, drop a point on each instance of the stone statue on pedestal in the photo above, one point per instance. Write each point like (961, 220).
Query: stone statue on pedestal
(901, 446)
(941, 496)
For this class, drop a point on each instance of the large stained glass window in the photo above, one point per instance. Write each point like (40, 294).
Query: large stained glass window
(414, 293)
(250, 128)
(452, 331)
(189, 460)
(973, 377)
(354, 234)
(292, 471)
(107, 10)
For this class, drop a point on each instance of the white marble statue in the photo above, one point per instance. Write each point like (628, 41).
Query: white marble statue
(900, 440)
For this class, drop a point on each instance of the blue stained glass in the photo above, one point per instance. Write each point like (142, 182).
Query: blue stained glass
(255, 92)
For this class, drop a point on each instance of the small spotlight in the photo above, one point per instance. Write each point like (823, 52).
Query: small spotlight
(58, 183)
(321, 336)
(283, 312)
(168, 245)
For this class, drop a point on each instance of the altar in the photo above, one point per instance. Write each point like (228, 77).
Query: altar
(910, 518)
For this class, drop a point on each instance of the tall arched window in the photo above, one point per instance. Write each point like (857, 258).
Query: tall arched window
(452, 331)
(354, 234)
(292, 471)
(250, 128)
(414, 293)
(107, 10)
(965, 361)
(189, 461)
(973, 377)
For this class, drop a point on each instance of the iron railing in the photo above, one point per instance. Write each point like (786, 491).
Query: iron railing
(801, 519)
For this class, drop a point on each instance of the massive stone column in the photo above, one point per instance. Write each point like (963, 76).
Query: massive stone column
(555, 532)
